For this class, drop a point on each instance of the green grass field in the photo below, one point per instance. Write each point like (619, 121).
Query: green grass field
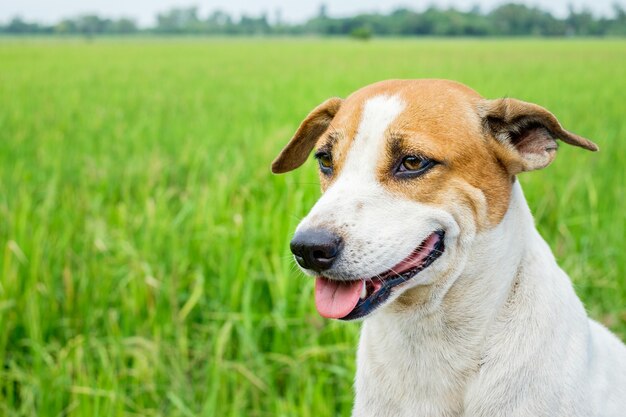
(144, 260)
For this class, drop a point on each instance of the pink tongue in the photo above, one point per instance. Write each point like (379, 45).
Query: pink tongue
(335, 299)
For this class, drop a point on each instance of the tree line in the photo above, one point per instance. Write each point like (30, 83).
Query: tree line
(505, 20)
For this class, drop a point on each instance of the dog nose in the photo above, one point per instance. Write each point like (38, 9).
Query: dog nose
(316, 249)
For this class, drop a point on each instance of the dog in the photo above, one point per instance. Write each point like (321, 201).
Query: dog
(423, 231)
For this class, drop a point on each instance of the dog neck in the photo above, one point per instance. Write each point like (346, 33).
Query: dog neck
(495, 264)
(438, 351)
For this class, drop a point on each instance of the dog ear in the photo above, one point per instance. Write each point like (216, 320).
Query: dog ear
(528, 132)
(297, 150)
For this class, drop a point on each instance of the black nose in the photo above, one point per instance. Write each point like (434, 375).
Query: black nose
(316, 249)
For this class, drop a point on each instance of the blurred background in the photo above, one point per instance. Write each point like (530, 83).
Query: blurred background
(144, 259)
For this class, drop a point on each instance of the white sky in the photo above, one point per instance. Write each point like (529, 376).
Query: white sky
(144, 11)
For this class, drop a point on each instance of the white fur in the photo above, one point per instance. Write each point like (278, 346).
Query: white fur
(527, 347)
(502, 332)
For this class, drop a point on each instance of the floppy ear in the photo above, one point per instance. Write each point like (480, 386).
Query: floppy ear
(297, 150)
(528, 132)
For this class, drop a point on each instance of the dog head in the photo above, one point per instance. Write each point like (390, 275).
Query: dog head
(412, 171)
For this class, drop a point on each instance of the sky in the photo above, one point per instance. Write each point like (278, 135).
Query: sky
(293, 11)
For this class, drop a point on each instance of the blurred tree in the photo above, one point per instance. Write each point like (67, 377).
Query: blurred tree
(179, 20)
(123, 26)
(254, 26)
(582, 23)
(18, 26)
(219, 22)
(505, 20)
(362, 33)
(518, 19)
(616, 26)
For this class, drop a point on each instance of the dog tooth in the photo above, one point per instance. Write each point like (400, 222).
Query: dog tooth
(363, 291)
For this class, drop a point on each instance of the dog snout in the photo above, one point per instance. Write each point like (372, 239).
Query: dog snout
(316, 249)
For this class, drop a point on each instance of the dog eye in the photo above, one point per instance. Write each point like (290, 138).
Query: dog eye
(325, 162)
(412, 166)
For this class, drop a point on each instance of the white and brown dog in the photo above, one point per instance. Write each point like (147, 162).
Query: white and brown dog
(424, 231)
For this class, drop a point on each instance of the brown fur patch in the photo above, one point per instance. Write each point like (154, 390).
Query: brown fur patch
(310, 130)
(340, 134)
(411, 298)
(441, 122)
(426, 128)
(527, 133)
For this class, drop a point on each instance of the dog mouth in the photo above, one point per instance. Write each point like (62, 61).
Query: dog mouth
(349, 300)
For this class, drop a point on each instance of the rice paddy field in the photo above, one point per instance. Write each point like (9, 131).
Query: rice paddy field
(144, 260)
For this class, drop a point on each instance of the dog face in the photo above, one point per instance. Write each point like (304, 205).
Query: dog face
(412, 171)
